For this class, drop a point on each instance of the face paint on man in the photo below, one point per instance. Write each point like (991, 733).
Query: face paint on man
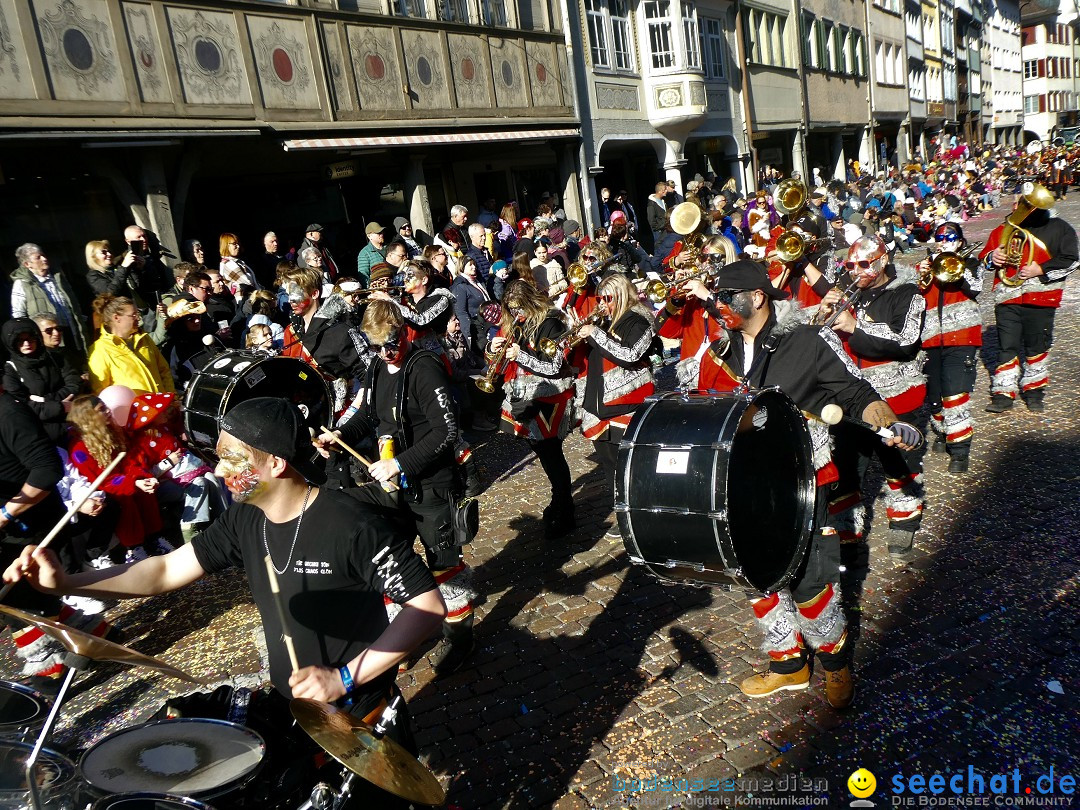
(239, 474)
(394, 349)
(299, 300)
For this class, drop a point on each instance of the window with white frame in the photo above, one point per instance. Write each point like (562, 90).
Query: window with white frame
(658, 23)
(494, 12)
(598, 44)
(690, 35)
(454, 10)
(411, 8)
(712, 47)
(809, 42)
(610, 40)
(768, 37)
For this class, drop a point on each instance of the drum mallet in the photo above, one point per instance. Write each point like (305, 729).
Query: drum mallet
(833, 414)
(75, 507)
(271, 574)
(391, 486)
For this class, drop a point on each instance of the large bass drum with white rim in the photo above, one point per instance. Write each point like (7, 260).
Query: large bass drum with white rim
(148, 801)
(235, 376)
(22, 711)
(717, 489)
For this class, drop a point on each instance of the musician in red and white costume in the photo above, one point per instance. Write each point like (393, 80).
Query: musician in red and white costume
(951, 337)
(687, 318)
(882, 333)
(1025, 313)
(764, 343)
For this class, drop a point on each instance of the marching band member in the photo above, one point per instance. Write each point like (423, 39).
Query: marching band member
(765, 344)
(882, 338)
(407, 400)
(686, 315)
(539, 392)
(951, 336)
(426, 309)
(619, 369)
(1025, 313)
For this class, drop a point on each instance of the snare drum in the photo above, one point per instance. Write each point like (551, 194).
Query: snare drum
(148, 801)
(22, 711)
(186, 756)
(235, 376)
(55, 773)
(717, 489)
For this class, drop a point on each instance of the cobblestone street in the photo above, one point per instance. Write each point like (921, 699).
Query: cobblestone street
(590, 673)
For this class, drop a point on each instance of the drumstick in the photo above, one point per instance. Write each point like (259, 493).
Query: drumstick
(354, 454)
(833, 414)
(75, 507)
(271, 573)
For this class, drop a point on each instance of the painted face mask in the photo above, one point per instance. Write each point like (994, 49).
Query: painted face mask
(298, 299)
(394, 349)
(735, 307)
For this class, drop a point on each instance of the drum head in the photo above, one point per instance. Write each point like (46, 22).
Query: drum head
(148, 801)
(233, 377)
(21, 708)
(55, 772)
(187, 757)
(770, 505)
(717, 489)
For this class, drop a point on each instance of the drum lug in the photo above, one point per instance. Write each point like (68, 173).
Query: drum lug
(622, 507)
(636, 560)
(693, 566)
(720, 515)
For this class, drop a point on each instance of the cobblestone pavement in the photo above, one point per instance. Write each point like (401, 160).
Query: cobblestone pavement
(590, 673)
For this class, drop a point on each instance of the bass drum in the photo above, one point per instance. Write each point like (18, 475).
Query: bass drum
(234, 376)
(22, 711)
(57, 782)
(148, 801)
(717, 489)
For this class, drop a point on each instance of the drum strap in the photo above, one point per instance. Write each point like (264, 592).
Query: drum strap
(761, 361)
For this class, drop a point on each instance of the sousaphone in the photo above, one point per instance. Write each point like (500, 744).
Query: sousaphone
(685, 218)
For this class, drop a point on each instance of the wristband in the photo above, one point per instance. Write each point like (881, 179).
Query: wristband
(398, 465)
(7, 515)
(346, 678)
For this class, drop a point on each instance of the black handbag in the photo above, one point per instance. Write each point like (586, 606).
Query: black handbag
(465, 517)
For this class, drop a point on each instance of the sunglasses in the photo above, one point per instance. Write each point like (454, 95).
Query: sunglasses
(863, 265)
(390, 347)
(948, 236)
(607, 299)
(726, 297)
(51, 330)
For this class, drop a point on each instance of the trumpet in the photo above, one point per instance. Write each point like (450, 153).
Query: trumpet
(658, 291)
(847, 298)
(387, 290)
(792, 245)
(572, 336)
(946, 268)
(497, 363)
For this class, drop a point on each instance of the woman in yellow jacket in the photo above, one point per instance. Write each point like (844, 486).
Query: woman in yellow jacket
(124, 355)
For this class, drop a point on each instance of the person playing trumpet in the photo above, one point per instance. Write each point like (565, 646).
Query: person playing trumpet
(690, 315)
(426, 308)
(539, 391)
(620, 372)
(951, 336)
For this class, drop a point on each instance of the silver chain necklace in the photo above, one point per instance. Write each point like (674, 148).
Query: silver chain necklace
(296, 536)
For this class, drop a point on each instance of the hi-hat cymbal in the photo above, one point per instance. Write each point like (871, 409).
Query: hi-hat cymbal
(97, 649)
(382, 762)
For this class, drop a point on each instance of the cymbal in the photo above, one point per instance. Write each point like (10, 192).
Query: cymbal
(97, 649)
(382, 762)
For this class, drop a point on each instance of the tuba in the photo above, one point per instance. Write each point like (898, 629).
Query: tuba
(789, 198)
(578, 275)
(1017, 241)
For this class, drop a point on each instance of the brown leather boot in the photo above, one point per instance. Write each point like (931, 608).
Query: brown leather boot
(839, 688)
(766, 683)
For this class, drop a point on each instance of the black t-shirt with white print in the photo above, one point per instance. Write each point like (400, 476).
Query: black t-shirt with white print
(346, 557)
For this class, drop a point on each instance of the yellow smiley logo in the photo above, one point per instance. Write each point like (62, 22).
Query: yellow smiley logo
(862, 783)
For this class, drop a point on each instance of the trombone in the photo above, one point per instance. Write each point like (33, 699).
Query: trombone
(370, 290)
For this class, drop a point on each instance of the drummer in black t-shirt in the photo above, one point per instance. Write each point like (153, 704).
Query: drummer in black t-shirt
(334, 560)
